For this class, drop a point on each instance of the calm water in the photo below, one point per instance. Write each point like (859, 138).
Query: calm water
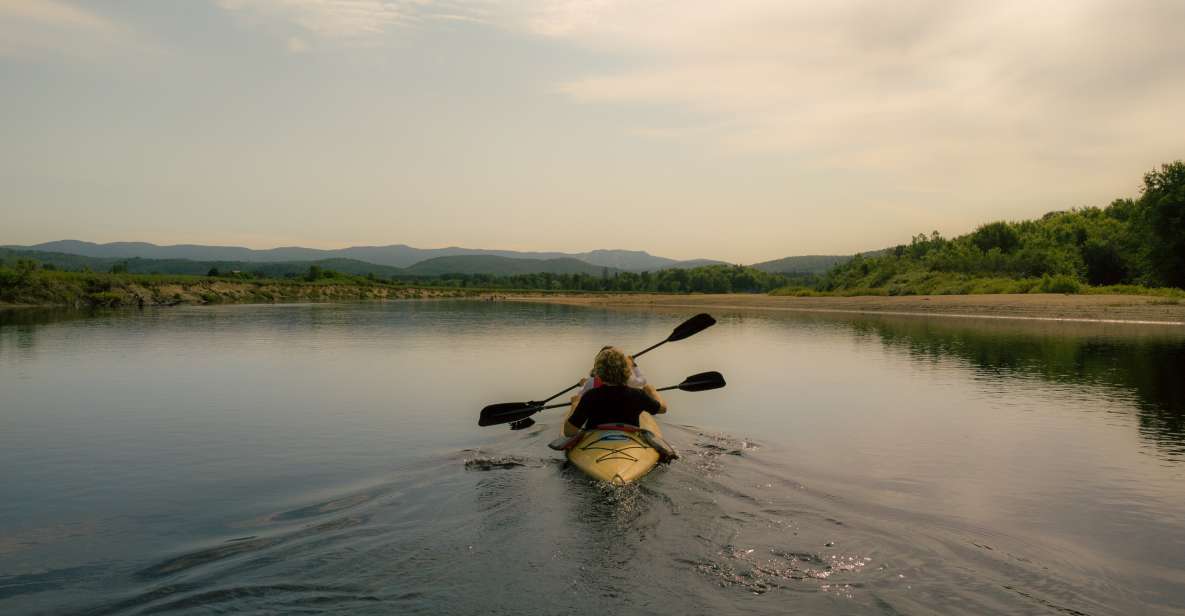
(326, 458)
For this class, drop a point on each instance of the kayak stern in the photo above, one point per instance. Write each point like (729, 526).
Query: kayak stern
(614, 456)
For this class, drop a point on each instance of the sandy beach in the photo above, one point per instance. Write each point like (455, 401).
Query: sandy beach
(1049, 307)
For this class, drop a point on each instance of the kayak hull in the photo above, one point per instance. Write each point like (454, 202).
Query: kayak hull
(616, 456)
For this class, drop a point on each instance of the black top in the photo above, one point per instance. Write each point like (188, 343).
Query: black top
(612, 404)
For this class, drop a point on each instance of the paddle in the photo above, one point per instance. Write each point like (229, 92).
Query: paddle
(686, 329)
(513, 412)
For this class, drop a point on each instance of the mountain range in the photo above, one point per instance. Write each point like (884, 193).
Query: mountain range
(395, 255)
(396, 259)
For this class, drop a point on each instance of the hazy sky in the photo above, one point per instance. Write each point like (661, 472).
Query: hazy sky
(740, 130)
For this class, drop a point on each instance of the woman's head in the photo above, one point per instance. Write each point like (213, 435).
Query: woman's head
(612, 366)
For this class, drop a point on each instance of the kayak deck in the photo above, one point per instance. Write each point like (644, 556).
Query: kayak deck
(616, 456)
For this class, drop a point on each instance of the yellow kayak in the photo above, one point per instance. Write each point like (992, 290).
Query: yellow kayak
(617, 454)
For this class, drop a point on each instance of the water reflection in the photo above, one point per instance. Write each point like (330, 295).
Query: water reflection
(1142, 365)
(294, 458)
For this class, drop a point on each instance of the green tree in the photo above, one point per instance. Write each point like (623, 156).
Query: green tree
(996, 235)
(213, 272)
(314, 273)
(120, 268)
(25, 268)
(1164, 200)
(1104, 264)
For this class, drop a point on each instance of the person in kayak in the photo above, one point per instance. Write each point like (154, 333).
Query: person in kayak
(607, 397)
(637, 380)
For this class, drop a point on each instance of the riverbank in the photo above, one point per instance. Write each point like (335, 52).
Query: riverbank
(94, 290)
(1054, 307)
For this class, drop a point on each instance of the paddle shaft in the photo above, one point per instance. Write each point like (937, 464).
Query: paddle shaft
(648, 349)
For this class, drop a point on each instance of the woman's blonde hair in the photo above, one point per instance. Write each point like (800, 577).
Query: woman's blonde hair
(612, 366)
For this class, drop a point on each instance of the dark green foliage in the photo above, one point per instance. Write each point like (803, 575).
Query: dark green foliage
(315, 272)
(502, 266)
(707, 279)
(213, 272)
(1129, 242)
(25, 267)
(1059, 284)
(1104, 264)
(1164, 201)
(120, 268)
(806, 264)
(998, 235)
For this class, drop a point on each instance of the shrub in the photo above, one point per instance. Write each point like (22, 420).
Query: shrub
(1060, 283)
(999, 235)
(105, 299)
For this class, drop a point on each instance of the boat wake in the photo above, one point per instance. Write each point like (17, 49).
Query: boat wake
(722, 527)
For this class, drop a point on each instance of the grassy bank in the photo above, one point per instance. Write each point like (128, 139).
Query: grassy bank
(946, 283)
(106, 290)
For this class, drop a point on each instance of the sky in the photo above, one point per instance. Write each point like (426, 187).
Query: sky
(744, 131)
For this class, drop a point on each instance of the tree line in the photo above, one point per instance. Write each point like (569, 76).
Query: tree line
(1129, 242)
(705, 279)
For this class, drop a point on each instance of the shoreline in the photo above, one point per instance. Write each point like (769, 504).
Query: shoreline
(1086, 308)
(1123, 309)
(88, 291)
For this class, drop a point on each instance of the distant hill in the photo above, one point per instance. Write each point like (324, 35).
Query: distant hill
(502, 266)
(395, 255)
(639, 260)
(189, 267)
(461, 264)
(807, 264)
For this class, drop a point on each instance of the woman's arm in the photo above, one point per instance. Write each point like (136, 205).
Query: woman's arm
(569, 428)
(653, 393)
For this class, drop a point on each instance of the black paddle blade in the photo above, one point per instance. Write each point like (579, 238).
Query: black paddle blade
(702, 382)
(507, 412)
(692, 326)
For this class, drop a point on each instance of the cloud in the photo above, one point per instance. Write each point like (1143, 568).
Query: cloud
(53, 13)
(37, 27)
(335, 19)
(934, 90)
(355, 22)
(297, 45)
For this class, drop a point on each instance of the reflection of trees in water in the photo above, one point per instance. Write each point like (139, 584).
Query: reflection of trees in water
(18, 326)
(1148, 365)
(38, 316)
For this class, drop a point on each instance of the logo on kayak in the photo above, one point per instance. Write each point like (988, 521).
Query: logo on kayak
(614, 450)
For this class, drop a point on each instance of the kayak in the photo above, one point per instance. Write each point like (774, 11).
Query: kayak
(616, 453)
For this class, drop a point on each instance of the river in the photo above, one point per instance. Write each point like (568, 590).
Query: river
(326, 459)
